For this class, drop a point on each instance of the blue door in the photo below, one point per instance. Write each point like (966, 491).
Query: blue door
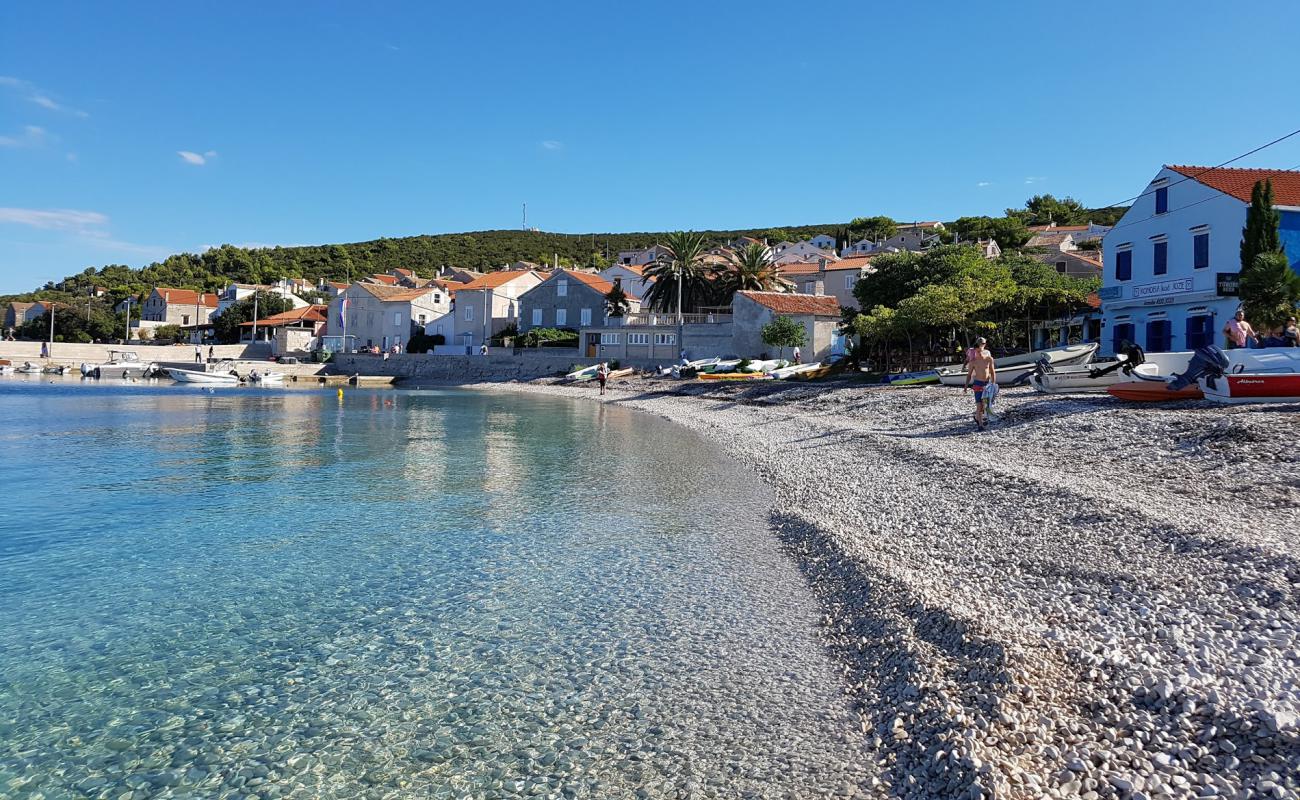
(1159, 334)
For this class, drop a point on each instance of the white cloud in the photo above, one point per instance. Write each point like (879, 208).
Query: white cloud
(1034, 179)
(551, 144)
(71, 157)
(39, 97)
(57, 219)
(197, 159)
(32, 136)
(982, 184)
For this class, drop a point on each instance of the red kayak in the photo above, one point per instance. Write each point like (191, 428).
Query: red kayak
(1152, 392)
(1258, 388)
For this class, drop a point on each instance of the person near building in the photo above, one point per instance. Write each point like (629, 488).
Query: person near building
(797, 353)
(1238, 333)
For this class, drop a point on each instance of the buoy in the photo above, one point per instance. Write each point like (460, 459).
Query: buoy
(340, 394)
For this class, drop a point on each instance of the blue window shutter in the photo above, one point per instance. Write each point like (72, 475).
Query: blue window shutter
(1124, 265)
(1160, 262)
(1201, 251)
(1162, 200)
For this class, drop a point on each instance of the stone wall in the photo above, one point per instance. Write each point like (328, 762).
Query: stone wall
(467, 369)
(70, 353)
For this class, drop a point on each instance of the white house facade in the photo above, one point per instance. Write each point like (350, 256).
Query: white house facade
(635, 284)
(1172, 260)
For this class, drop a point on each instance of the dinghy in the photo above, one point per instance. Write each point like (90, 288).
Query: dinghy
(208, 378)
(783, 373)
(919, 378)
(674, 369)
(1098, 375)
(1012, 370)
(735, 376)
(28, 368)
(266, 378)
(1263, 387)
(620, 373)
(584, 374)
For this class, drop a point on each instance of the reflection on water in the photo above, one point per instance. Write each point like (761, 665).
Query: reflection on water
(434, 594)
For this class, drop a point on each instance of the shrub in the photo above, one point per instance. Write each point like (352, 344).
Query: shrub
(172, 332)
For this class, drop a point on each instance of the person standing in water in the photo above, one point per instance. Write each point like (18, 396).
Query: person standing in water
(980, 372)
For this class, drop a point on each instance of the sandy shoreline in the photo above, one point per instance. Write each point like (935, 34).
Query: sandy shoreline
(1087, 598)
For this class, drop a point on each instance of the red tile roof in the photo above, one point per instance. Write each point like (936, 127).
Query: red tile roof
(494, 279)
(387, 280)
(187, 297)
(783, 303)
(339, 284)
(594, 281)
(1239, 182)
(398, 294)
(404, 272)
(1094, 300)
(312, 313)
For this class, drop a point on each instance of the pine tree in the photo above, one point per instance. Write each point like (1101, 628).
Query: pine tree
(1262, 224)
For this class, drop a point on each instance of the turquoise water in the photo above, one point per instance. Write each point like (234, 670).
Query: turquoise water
(403, 594)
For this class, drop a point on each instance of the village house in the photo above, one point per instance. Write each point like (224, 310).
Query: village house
(787, 253)
(641, 257)
(634, 281)
(290, 332)
(377, 315)
(1172, 261)
(819, 316)
(236, 292)
(489, 304)
(836, 279)
(18, 314)
(567, 299)
(823, 242)
(179, 306)
(1074, 263)
(1078, 233)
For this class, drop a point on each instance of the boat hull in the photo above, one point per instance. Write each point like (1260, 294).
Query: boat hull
(208, 378)
(1152, 392)
(1252, 388)
(1016, 369)
(735, 376)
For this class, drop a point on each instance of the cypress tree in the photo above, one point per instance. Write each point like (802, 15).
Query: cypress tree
(1262, 224)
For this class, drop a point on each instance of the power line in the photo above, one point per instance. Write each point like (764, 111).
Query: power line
(1207, 169)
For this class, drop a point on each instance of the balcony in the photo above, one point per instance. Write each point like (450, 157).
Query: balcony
(670, 320)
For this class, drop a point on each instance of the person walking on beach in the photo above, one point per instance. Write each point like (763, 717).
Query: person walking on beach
(602, 375)
(796, 354)
(198, 355)
(980, 372)
(1238, 331)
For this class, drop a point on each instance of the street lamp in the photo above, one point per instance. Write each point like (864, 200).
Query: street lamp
(680, 348)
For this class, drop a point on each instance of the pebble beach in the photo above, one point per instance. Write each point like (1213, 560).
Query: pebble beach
(1088, 599)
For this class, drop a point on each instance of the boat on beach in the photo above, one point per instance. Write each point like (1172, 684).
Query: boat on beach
(918, 378)
(1012, 370)
(1269, 367)
(676, 369)
(208, 378)
(1263, 387)
(735, 376)
(28, 368)
(782, 373)
(1097, 376)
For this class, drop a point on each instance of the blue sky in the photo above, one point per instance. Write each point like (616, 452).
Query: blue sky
(132, 130)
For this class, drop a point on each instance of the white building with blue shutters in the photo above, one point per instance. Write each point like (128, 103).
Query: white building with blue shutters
(1170, 280)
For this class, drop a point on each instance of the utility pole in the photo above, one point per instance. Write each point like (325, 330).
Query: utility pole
(254, 316)
(127, 339)
(680, 348)
(50, 352)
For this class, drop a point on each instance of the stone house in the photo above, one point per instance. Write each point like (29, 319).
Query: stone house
(635, 283)
(179, 306)
(643, 256)
(373, 314)
(18, 314)
(565, 299)
(489, 304)
(819, 315)
(832, 278)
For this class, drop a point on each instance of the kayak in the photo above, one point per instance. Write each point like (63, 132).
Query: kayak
(813, 374)
(1152, 392)
(734, 376)
(913, 378)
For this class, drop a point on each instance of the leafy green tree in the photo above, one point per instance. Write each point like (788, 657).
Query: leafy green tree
(749, 269)
(1270, 290)
(1008, 232)
(783, 332)
(1263, 225)
(874, 228)
(684, 258)
(227, 327)
(1044, 209)
(173, 332)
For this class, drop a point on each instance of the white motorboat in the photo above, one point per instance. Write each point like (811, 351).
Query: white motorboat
(208, 378)
(6, 369)
(1012, 370)
(1097, 375)
(120, 364)
(765, 366)
(794, 369)
(266, 378)
(28, 368)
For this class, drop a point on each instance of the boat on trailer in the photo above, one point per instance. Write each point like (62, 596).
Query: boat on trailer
(1012, 370)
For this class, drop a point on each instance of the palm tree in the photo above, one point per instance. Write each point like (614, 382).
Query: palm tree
(752, 269)
(616, 302)
(684, 258)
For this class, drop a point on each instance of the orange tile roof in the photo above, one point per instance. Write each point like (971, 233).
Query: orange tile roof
(387, 280)
(1090, 260)
(783, 303)
(594, 281)
(405, 272)
(1060, 228)
(395, 294)
(494, 279)
(312, 313)
(811, 267)
(1239, 182)
(799, 267)
(1094, 300)
(187, 297)
(338, 284)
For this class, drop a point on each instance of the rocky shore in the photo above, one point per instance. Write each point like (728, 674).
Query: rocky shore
(1087, 600)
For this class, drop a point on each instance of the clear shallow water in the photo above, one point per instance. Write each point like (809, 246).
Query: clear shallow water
(433, 594)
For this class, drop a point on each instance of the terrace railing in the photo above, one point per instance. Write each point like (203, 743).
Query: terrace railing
(648, 318)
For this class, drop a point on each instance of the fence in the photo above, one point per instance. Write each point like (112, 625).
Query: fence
(644, 318)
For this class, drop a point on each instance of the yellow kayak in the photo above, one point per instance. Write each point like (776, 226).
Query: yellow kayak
(735, 376)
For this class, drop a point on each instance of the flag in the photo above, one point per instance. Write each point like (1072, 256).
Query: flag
(343, 314)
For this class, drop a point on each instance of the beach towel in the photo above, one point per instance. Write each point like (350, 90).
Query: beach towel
(990, 394)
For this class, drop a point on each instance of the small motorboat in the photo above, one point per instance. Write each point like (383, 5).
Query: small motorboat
(720, 366)
(266, 378)
(58, 369)
(783, 373)
(28, 368)
(584, 374)
(1012, 370)
(674, 369)
(735, 376)
(6, 368)
(1153, 392)
(210, 378)
(1097, 376)
(765, 366)
(121, 363)
(1246, 387)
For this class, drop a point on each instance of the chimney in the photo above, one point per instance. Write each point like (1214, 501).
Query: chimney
(821, 265)
(819, 287)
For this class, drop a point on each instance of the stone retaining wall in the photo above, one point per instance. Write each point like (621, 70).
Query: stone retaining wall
(472, 369)
(72, 353)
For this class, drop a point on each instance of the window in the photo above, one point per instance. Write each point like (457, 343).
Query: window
(1200, 331)
(1159, 334)
(1060, 267)
(537, 317)
(1162, 200)
(185, 319)
(665, 338)
(561, 316)
(638, 338)
(422, 320)
(1124, 265)
(562, 287)
(1122, 333)
(1201, 251)
(850, 281)
(584, 317)
(469, 313)
(397, 319)
(437, 298)
(609, 338)
(1160, 258)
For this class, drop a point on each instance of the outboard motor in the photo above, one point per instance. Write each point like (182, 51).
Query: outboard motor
(1208, 362)
(1133, 356)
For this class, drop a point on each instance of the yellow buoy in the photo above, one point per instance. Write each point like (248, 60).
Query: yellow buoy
(340, 395)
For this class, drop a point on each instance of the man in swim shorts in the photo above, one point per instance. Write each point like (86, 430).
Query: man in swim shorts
(980, 372)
